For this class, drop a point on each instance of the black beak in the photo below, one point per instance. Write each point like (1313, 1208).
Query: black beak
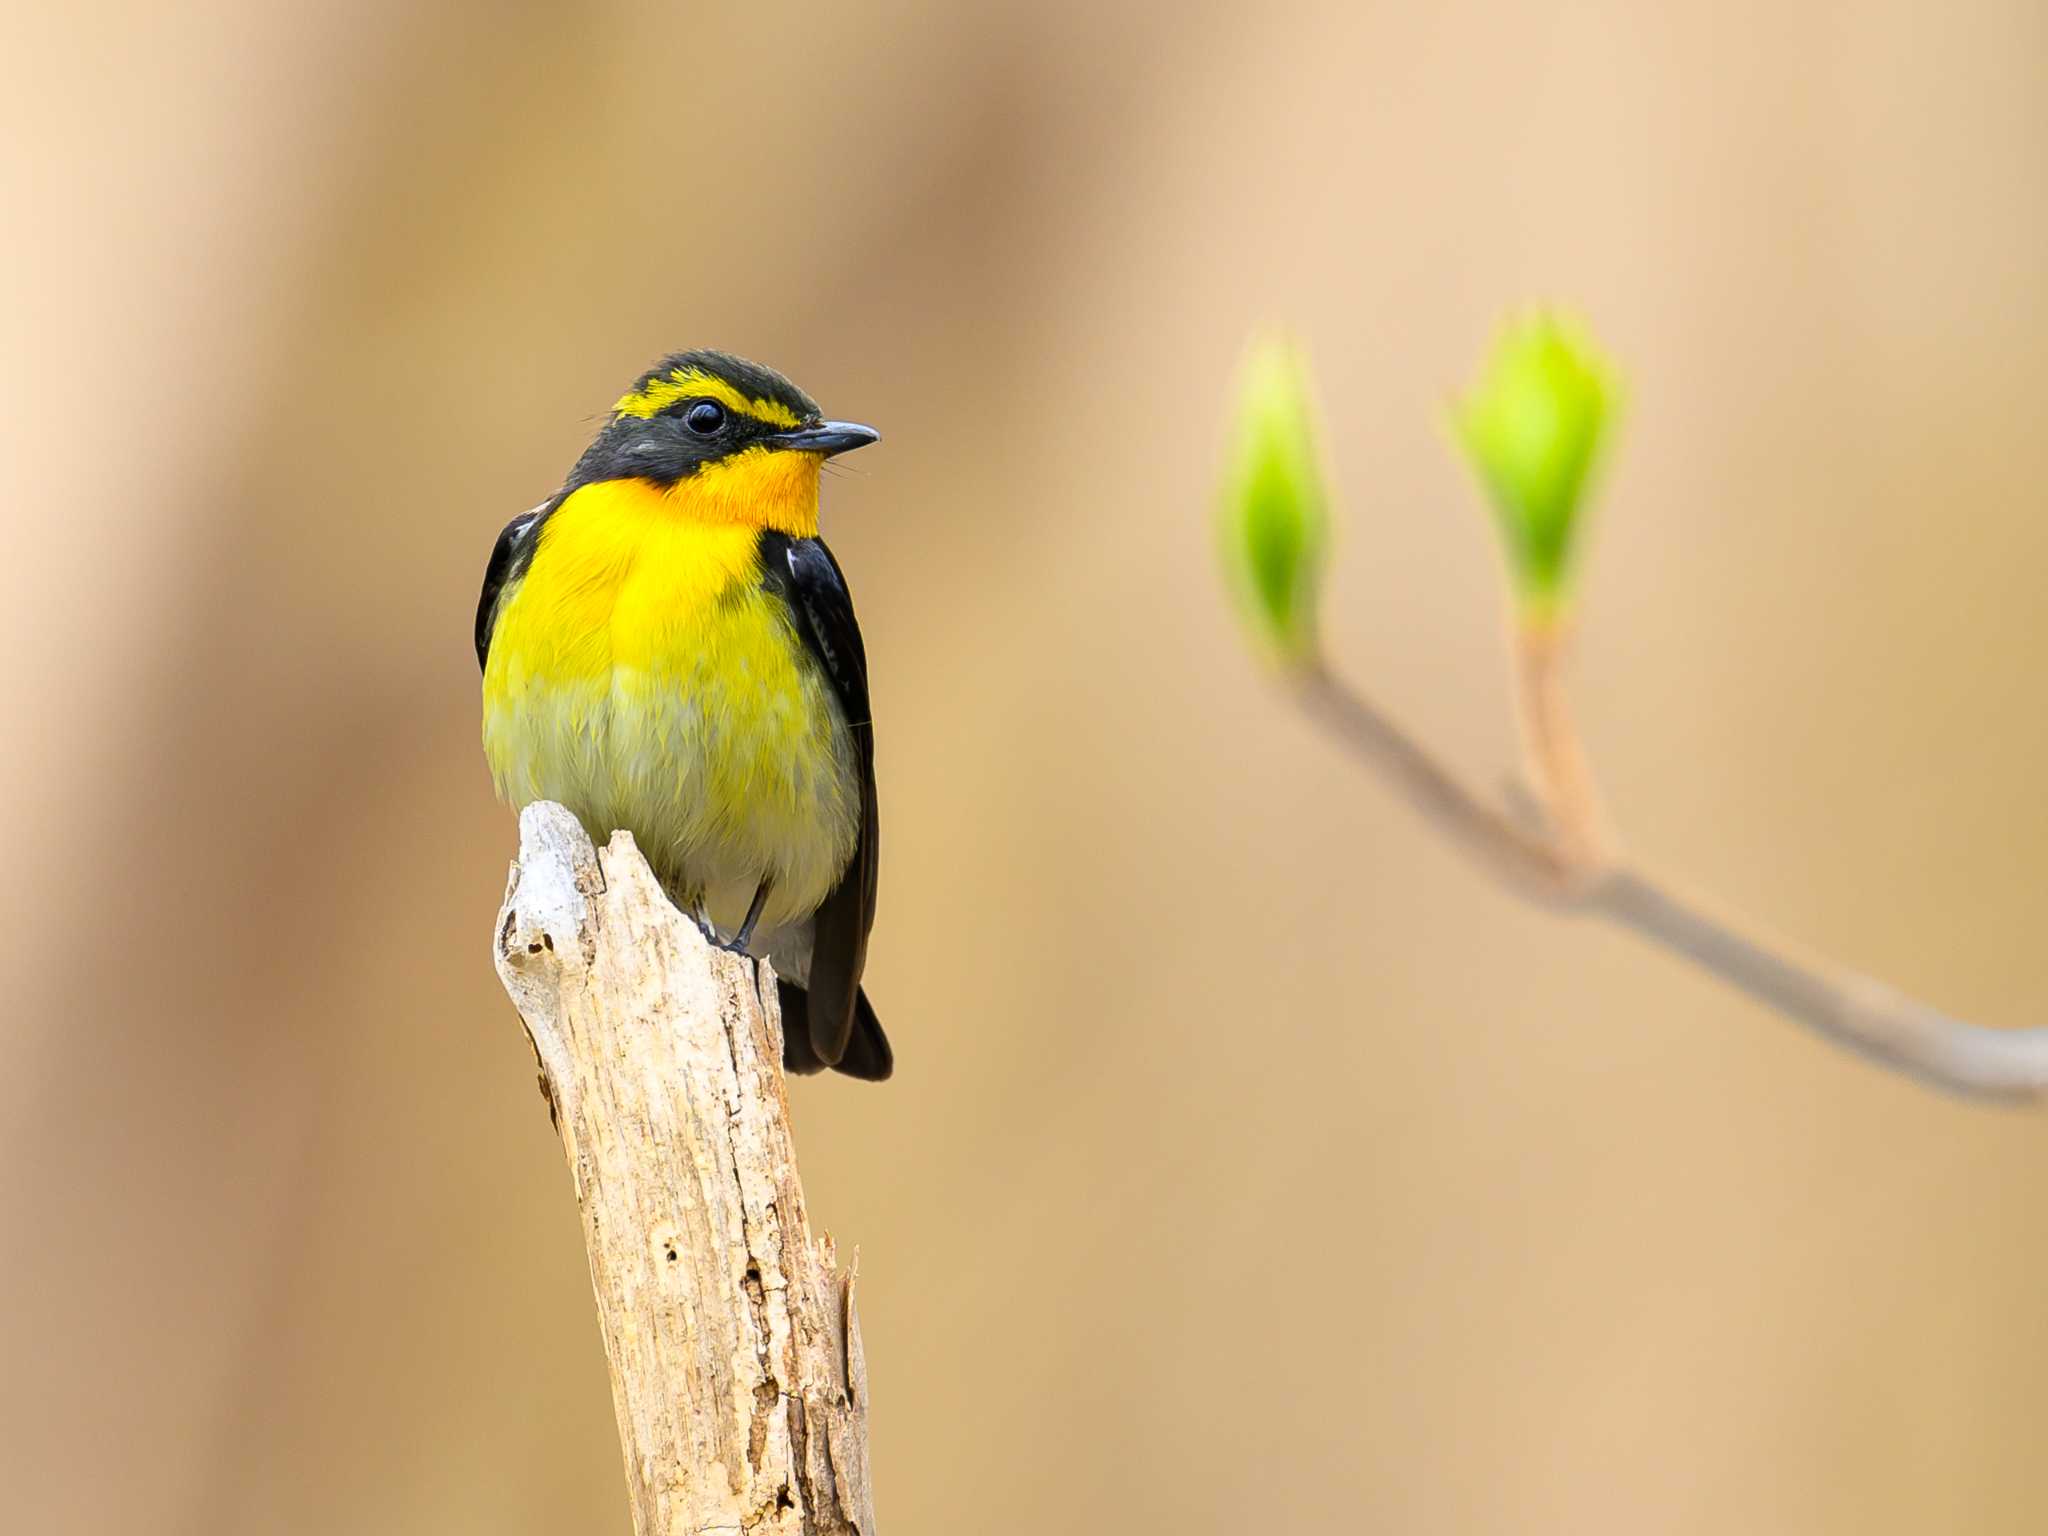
(826, 438)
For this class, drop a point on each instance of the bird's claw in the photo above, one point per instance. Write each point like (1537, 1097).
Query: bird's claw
(733, 946)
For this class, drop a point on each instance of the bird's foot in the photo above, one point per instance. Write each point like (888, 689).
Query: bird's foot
(739, 944)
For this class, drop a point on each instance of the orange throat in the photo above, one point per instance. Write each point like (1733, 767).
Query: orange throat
(760, 488)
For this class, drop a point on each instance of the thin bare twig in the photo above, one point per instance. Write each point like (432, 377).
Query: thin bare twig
(1556, 758)
(1528, 862)
(1565, 864)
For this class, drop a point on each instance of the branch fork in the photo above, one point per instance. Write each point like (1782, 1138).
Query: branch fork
(1554, 848)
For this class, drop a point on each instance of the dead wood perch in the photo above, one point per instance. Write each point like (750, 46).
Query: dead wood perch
(731, 1333)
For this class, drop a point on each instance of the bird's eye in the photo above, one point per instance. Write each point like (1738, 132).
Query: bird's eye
(705, 417)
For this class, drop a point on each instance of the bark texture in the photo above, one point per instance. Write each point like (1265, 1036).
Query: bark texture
(731, 1333)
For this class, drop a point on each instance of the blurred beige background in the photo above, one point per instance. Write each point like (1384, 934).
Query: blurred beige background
(1252, 1164)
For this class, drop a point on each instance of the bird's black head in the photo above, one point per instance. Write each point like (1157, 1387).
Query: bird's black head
(703, 408)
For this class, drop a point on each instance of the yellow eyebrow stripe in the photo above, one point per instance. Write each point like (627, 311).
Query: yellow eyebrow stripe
(694, 383)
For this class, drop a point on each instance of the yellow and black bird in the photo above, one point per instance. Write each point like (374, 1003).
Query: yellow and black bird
(668, 647)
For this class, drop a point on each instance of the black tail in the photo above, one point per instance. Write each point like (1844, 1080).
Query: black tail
(867, 1051)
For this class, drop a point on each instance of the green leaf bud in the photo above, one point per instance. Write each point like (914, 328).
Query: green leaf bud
(1275, 516)
(1532, 427)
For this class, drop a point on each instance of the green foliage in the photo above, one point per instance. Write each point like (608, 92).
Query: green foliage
(1275, 518)
(1533, 427)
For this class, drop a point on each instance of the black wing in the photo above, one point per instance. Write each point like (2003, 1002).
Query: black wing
(804, 574)
(510, 557)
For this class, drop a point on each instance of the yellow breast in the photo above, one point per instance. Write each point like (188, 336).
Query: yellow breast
(641, 675)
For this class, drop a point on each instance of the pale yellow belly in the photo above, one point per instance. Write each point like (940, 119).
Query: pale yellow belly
(712, 736)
